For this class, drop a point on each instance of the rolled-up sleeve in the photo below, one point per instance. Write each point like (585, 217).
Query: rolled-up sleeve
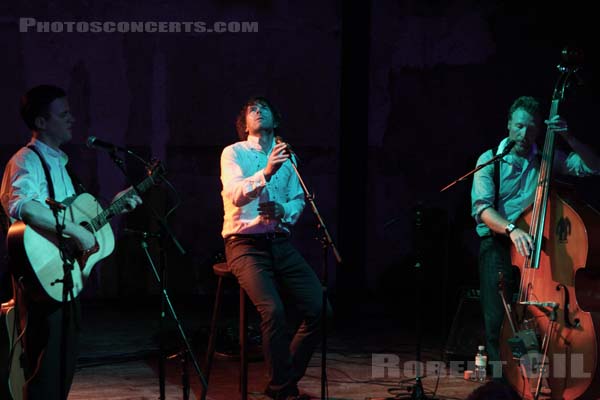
(483, 191)
(23, 181)
(237, 188)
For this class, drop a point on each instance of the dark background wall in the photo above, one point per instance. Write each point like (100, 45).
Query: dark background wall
(386, 103)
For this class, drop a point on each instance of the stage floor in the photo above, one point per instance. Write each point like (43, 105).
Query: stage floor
(119, 353)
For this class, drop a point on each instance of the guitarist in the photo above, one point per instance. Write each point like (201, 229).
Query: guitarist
(45, 111)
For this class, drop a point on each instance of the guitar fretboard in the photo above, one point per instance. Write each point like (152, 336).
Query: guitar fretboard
(119, 205)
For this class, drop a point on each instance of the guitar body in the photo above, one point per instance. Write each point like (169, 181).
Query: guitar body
(35, 255)
(12, 383)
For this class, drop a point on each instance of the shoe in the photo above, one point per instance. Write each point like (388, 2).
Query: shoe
(286, 393)
(301, 396)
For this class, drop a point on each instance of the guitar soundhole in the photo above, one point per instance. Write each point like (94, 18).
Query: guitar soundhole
(87, 226)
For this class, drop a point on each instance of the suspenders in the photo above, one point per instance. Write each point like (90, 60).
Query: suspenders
(78, 186)
(496, 178)
(46, 171)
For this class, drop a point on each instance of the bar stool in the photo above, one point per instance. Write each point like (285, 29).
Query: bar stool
(223, 271)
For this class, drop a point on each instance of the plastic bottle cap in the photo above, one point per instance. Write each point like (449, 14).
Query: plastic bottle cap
(481, 347)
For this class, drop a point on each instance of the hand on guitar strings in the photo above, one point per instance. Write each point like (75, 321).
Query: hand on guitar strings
(84, 238)
(132, 200)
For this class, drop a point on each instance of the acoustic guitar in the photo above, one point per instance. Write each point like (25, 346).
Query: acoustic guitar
(35, 254)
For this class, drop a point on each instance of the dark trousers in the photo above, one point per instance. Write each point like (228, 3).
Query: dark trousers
(43, 347)
(494, 257)
(262, 266)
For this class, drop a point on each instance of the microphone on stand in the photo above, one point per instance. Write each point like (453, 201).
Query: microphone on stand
(94, 143)
(288, 149)
(509, 145)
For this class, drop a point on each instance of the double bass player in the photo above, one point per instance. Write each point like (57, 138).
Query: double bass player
(499, 197)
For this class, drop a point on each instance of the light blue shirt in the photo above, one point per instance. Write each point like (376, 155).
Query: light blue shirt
(518, 177)
(245, 186)
(24, 179)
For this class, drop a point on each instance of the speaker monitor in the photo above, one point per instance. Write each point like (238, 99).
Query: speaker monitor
(467, 330)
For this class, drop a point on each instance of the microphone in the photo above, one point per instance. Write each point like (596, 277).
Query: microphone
(509, 145)
(94, 143)
(288, 149)
(55, 205)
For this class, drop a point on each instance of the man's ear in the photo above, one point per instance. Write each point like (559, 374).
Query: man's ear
(40, 122)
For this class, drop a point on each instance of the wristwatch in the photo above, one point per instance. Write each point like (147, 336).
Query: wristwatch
(509, 228)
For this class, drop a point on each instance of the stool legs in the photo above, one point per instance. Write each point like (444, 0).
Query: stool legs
(243, 345)
(212, 336)
(243, 341)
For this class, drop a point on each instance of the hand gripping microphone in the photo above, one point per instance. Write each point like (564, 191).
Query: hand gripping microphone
(288, 149)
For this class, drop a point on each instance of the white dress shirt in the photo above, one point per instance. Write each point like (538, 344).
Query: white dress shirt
(245, 186)
(24, 178)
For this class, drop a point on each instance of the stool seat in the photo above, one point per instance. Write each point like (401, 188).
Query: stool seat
(223, 269)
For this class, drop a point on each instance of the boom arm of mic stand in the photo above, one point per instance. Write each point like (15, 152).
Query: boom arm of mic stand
(480, 166)
(161, 220)
(310, 198)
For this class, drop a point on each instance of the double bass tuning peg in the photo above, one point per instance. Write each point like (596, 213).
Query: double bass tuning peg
(572, 56)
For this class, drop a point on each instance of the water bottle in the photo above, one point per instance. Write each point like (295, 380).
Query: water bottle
(480, 364)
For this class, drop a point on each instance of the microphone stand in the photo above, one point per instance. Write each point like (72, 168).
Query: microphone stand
(416, 391)
(67, 293)
(492, 160)
(326, 243)
(161, 279)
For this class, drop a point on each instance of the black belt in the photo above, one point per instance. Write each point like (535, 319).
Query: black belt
(259, 236)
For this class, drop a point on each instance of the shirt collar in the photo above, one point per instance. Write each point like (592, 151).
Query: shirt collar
(253, 143)
(49, 151)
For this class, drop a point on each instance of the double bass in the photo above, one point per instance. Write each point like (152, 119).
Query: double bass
(549, 338)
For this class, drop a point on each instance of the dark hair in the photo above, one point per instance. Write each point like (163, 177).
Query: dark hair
(240, 122)
(35, 102)
(527, 103)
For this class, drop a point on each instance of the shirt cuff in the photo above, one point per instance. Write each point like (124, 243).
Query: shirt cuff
(15, 207)
(286, 214)
(478, 210)
(254, 185)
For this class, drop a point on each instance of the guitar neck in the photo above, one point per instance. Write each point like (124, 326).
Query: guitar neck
(119, 205)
